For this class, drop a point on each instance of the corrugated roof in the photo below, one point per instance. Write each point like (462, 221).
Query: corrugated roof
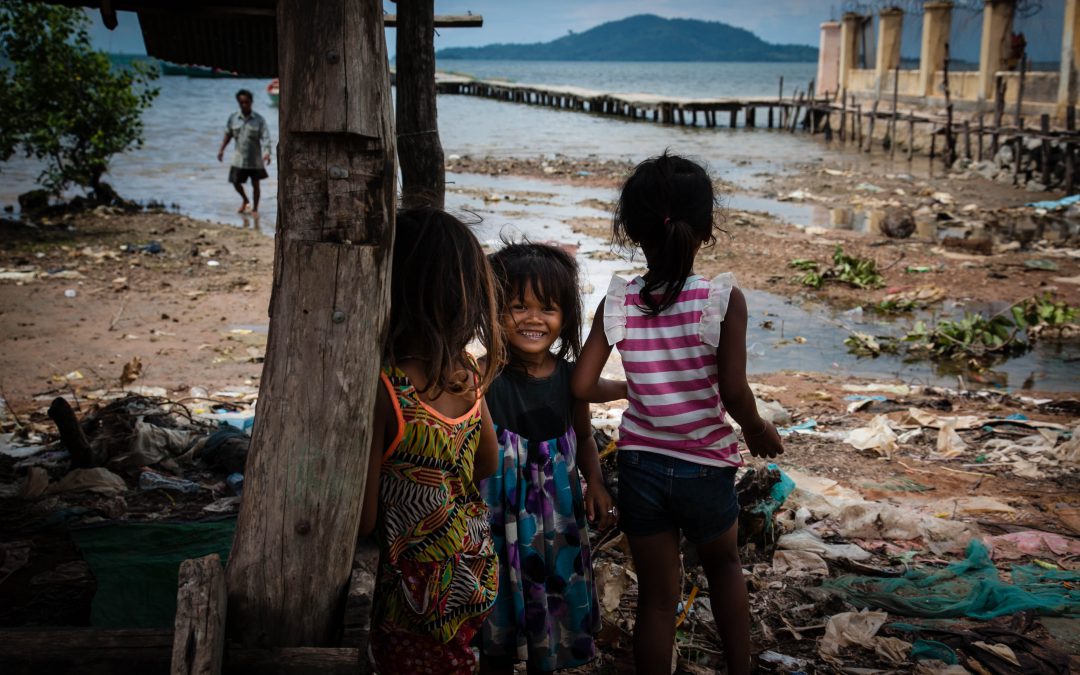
(238, 35)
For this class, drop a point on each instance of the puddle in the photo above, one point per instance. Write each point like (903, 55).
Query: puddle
(1050, 366)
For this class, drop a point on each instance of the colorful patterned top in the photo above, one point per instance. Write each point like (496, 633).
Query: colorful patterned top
(671, 370)
(437, 563)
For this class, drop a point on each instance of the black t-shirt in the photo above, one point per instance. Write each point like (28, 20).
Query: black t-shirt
(535, 408)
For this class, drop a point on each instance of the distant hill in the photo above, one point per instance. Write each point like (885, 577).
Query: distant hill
(645, 37)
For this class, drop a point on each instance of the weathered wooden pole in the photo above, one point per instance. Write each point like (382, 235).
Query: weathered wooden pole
(423, 173)
(305, 471)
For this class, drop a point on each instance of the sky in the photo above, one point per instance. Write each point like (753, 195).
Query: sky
(776, 21)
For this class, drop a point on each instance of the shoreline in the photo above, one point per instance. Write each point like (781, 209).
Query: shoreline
(193, 311)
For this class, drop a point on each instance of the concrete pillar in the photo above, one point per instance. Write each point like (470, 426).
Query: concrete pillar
(937, 22)
(890, 27)
(994, 47)
(851, 28)
(828, 67)
(1070, 58)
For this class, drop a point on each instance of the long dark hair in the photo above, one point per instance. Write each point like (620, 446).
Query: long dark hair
(442, 297)
(553, 275)
(666, 207)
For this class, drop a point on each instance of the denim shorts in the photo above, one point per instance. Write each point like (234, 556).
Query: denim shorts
(658, 493)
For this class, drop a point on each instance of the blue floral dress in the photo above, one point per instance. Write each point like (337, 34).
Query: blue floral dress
(546, 612)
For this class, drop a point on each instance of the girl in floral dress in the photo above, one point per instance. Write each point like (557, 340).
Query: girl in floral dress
(547, 611)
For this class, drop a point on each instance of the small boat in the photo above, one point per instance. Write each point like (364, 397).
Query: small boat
(273, 90)
(194, 71)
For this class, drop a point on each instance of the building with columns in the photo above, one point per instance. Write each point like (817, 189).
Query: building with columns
(844, 66)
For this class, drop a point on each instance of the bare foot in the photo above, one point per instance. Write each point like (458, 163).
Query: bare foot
(243, 208)
(254, 212)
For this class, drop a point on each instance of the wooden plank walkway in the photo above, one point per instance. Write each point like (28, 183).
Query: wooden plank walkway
(841, 116)
(677, 110)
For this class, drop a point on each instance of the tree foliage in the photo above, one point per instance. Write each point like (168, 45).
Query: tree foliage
(63, 102)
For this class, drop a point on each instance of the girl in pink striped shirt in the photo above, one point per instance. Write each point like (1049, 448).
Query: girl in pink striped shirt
(682, 339)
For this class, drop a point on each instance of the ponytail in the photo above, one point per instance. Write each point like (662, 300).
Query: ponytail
(666, 207)
(670, 266)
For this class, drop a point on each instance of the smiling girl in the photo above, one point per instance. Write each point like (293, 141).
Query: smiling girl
(546, 612)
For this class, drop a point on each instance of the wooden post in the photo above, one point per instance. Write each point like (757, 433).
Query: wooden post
(1070, 166)
(950, 139)
(1044, 127)
(199, 634)
(794, 121)
(999, 112)
(770, 117)
(892, 122)
(911, 137)
(967, 140)
(751, 117)
(843, 116)
(870, 129)
(1020, 91)
(307, 464)
(979, 138)
(423, 172)
(732, 121)
(1018, 150)
(858, 125)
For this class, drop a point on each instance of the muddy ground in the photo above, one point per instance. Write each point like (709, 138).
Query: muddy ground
(84, 295)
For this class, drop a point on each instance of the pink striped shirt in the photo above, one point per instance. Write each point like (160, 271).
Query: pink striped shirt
(671, 372)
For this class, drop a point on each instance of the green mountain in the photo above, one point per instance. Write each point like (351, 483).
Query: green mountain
(645, 37)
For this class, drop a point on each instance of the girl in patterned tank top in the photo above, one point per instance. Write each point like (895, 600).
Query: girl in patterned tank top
(682, 341)
(432, 442)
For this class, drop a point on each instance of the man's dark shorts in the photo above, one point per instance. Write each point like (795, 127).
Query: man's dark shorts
(238, 175)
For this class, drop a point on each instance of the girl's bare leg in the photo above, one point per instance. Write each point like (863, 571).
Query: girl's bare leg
(727, 591)
(656, 558)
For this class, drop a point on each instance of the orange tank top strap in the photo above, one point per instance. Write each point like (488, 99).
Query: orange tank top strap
(404, 397)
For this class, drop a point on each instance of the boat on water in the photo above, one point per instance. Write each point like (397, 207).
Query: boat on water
(189, 70)
(273, 90)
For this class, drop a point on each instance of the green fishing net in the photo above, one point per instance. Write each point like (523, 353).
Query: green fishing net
(971, 587)
(136, 567)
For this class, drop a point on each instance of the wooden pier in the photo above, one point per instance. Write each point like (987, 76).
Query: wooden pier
(681, 111)
(858, 124)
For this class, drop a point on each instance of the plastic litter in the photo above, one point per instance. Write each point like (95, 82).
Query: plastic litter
(150, 480)
(971, 587)
(98, 479)
(799, 563)
(878, 436)
(949, 443)
(808, 540)
(772, 411)
(1056, 204)
(924, 650)
(805, 425)
(242, 419)
(860, 629)
(235, 482)
(1016, 545)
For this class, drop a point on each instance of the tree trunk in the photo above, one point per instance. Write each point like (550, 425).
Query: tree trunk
(305, 472)
(423, 174)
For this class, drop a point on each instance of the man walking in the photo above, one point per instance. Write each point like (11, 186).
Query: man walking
(252, 136)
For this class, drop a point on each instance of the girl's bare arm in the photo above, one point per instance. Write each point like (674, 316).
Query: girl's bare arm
(379, 419)
(598, 502)
(761, 437)
(586, 383)
(487, 451)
